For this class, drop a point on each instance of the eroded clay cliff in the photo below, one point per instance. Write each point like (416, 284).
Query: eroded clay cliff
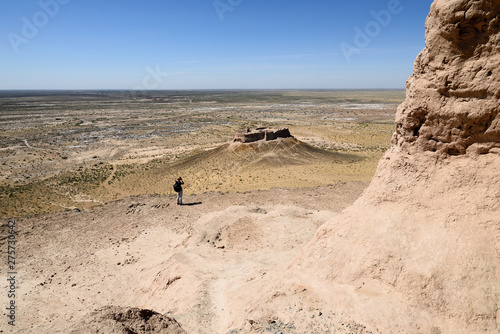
(452, 98)
(419, 251)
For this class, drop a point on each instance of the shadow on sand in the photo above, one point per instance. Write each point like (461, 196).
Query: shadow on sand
(191, 204)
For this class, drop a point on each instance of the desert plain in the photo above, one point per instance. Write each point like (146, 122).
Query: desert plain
(87, 177)
(67, 150)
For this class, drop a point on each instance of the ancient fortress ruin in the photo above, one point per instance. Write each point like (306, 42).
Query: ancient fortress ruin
(265, 134)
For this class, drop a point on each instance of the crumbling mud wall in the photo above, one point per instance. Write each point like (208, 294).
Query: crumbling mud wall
(250, 136)
(452, 98)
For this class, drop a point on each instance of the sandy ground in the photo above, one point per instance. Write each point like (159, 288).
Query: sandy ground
(200, 263)
(91, 176)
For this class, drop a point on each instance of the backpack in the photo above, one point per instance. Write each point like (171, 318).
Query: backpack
(177, 187)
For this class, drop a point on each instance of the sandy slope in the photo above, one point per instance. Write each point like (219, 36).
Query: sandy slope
(418, 252)
(201, 263)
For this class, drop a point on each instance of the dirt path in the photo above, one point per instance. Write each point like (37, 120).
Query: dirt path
(107, 184)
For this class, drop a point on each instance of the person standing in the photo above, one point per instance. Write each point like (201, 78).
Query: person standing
(178, 189)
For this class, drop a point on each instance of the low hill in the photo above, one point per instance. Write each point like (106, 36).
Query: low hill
(230, 167)
(280, 152)
(284, 162)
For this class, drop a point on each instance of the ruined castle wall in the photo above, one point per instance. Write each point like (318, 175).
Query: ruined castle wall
(452, 97)
(261, 134)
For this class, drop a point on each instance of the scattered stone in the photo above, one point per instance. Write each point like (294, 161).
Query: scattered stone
(118, 320)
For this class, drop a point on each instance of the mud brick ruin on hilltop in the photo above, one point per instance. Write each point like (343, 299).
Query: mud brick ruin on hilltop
(266, 134)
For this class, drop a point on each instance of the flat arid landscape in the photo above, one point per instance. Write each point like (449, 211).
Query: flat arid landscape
(67, 150)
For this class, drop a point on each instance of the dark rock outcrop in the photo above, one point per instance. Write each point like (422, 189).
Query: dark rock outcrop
(118, 320)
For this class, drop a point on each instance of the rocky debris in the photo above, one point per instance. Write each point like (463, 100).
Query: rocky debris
(452, 97)
(265, 134)
(121, 320)
(135, 208)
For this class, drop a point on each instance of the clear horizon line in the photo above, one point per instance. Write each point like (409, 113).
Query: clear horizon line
(180, 89)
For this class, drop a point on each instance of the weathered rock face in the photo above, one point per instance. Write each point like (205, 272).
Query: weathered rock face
(419, 251)
(452, 98)
(249, 136)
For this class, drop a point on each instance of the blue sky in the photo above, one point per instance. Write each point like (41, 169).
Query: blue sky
(207, 44)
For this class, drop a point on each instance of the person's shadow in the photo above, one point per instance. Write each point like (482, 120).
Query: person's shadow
(192, 204)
